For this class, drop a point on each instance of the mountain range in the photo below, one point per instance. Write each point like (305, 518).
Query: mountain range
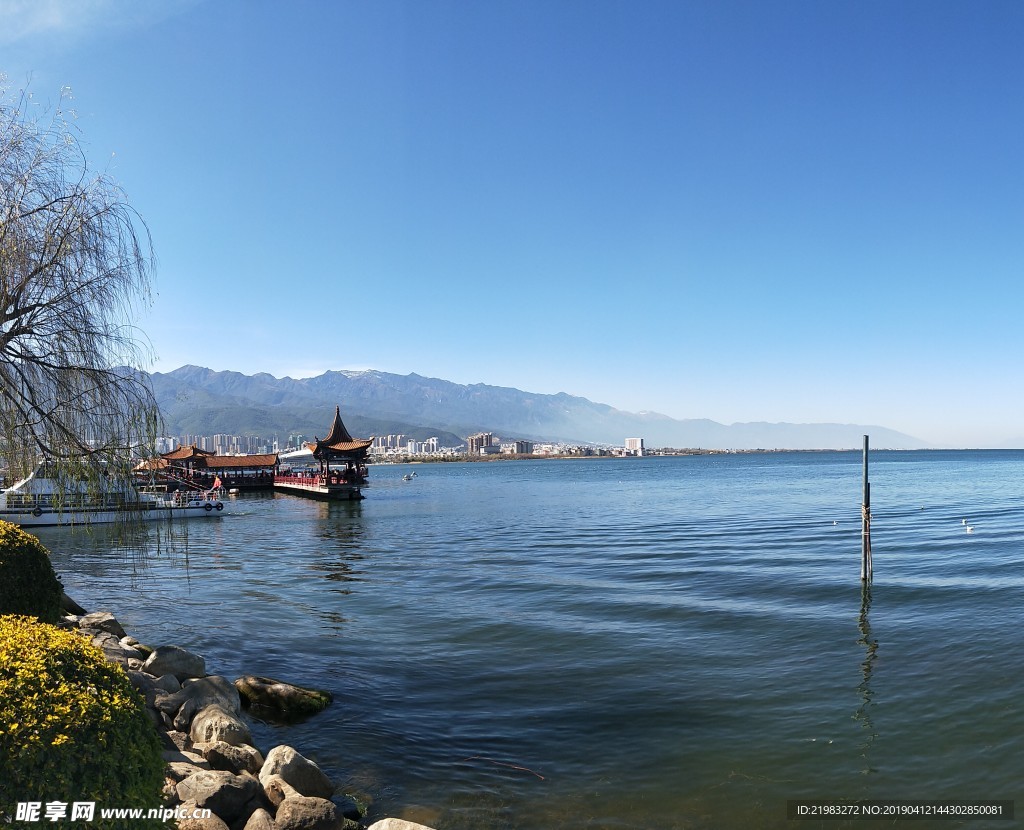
(205, 402)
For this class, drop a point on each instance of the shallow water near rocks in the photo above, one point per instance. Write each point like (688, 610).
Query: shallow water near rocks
(620, 643)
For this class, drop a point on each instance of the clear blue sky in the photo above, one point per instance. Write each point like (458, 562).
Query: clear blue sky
(743, 211)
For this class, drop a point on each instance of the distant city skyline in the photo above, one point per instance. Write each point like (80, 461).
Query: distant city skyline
(741, 211)
(392, 447)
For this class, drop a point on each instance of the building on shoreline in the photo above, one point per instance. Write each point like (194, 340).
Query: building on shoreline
(481, 444)
(635, 446)
(399, 447)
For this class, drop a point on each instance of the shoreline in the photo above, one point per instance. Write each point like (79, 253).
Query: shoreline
(211, 761)
(664, 452)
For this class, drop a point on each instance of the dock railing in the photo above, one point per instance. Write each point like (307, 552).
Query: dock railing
(333, 480)
(301, 481)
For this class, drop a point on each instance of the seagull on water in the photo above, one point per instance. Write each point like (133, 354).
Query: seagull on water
(968, 527)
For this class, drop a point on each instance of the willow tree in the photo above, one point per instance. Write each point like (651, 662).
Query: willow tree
(75, 266)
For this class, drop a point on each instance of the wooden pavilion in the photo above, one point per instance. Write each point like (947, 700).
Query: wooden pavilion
(186, 459)
(348, 454)
(203, 468)
(342, 460)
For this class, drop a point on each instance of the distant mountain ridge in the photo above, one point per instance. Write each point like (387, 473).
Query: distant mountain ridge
(199, 400)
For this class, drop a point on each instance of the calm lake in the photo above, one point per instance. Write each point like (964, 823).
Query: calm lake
(621, 643)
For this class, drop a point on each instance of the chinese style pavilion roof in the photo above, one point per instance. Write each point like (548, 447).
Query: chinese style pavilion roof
(339, 441)
(339, 435)
(238, 462)
(209, 460)
(186, 453)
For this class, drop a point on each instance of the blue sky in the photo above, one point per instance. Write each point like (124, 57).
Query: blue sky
(743, 211)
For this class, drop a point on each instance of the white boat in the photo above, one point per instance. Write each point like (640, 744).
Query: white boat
(38, 501)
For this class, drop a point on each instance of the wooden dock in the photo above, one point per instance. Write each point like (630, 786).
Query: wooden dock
(333, 487)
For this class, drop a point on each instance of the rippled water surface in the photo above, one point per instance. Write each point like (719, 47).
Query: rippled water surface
(627, 643)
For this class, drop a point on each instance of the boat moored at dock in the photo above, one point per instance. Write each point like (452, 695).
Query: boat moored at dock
(41, 501)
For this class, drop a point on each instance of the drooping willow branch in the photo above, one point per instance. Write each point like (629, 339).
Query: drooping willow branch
(75, 266)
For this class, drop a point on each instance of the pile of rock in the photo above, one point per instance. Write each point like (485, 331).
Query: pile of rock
(212, 763)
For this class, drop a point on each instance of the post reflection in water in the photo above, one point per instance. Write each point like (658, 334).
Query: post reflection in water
(863, 713)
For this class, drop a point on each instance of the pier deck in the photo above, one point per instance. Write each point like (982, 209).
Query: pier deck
(331, 487)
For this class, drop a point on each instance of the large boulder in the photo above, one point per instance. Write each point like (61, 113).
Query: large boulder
(277, 789)
(213, 822)
(397, 824)
(102, 621)
(212, 689)
(144, 683)
(166, 702)
(197, 694)
(180, 770)
(174, 660)
(215, 723)
(222, 792)
(299, 812)
(221, 755)
(186, 756)
(168, 683)
(301, 773)
(285, 698)
(259, 820)
(177, 740)
(112, 647)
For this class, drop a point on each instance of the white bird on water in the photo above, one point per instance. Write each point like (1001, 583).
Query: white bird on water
(968, 527)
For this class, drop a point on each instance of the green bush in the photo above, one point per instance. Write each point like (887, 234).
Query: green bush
(72, 727)
(28, 584)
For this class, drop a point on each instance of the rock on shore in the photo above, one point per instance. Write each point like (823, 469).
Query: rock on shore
(211, 760)
(285, 698)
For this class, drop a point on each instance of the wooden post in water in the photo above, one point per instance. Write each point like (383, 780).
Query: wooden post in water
(866, 570)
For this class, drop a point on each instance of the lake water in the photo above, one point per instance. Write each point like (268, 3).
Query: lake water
(621, 643)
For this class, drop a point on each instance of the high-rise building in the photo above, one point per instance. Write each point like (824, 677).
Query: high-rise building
(635, 446)
(166, 444)
(476, 443)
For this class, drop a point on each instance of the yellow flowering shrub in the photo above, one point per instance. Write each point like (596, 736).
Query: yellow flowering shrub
(28, 584)
(72, 727)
